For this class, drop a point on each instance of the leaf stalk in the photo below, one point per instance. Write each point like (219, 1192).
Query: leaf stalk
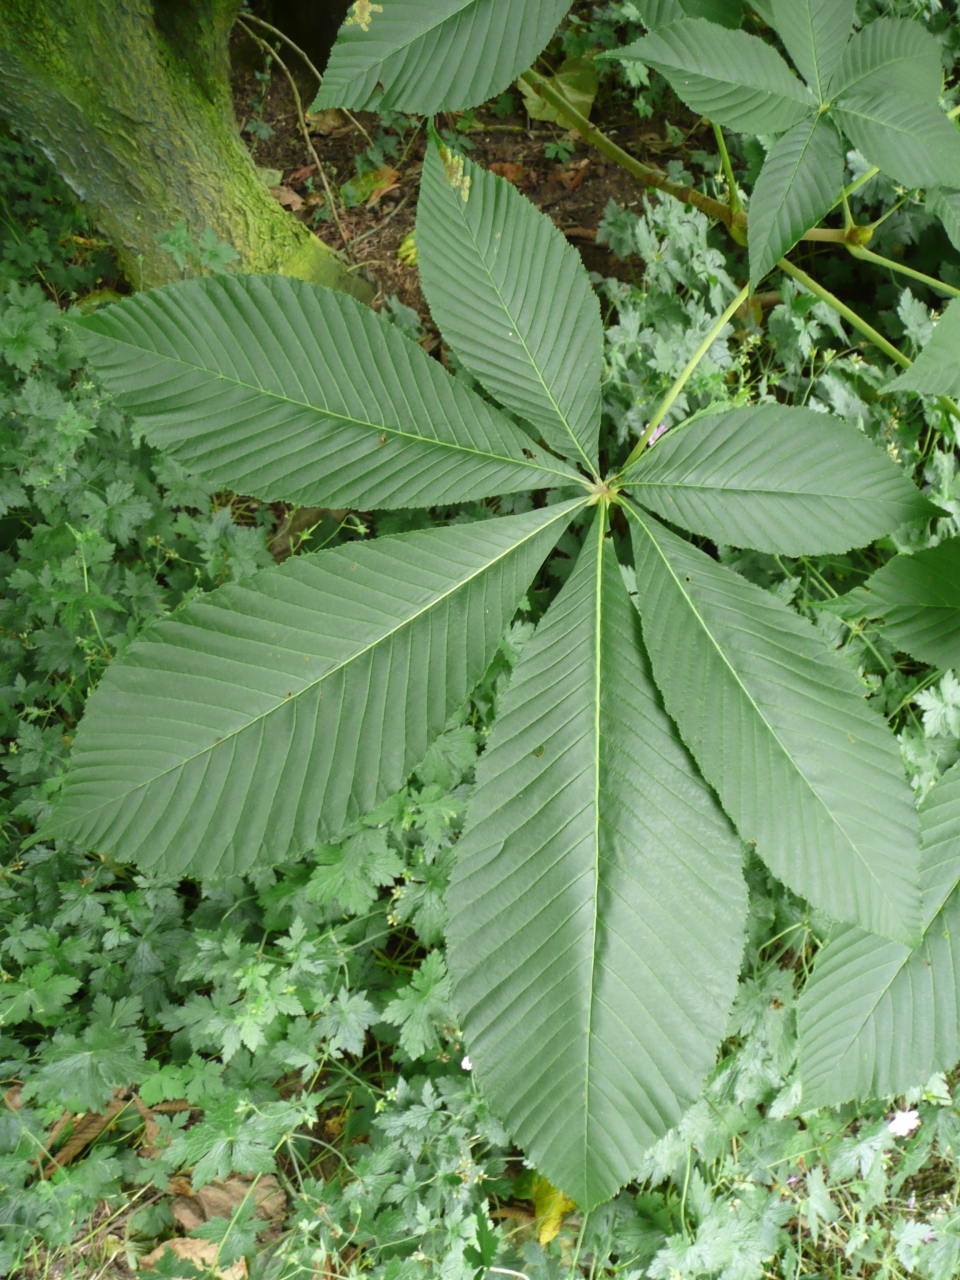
(649, 176)
(685, 373)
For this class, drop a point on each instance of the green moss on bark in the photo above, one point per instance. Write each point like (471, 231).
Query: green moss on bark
(130, 99)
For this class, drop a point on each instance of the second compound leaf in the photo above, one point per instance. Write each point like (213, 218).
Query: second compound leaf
(735, 79)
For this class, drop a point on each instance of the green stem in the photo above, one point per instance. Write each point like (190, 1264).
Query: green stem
(868, 256)
(650, 177)
(685, 373)
(842, 309)
(855, 186)
(945, 402)
(733, 195)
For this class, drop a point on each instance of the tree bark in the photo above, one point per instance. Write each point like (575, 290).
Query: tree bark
(130, 100)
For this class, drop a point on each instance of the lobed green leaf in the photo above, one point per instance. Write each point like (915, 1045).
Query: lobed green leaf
(597, 910)
(267, 715)
(425, 56)
(779, 479)
(288, 391)
(779, 726)
(531, 332)
(936, 370)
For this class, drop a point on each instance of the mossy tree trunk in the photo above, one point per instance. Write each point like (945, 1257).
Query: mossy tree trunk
(131, 101)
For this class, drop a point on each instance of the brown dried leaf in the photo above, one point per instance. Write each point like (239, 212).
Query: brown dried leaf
(574, 174)
(287, 197)
(301, 175)
(326, 121)
(508, 169)
(201, 1252)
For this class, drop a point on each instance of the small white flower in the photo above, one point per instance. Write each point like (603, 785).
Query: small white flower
(467, 1064)
(904, 1123)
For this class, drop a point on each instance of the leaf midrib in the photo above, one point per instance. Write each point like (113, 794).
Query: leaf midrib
(759, 492)
(342, 417)
(598, 623)
(567, 512)
(766, 723)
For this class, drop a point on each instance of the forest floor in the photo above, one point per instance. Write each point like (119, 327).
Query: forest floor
(574, 191)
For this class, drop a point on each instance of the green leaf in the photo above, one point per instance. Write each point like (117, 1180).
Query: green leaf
(906, 137)
(288, 391)
(420, 1005)
(425, 56)
(775, 479)
(576, 81)
(944, 203)
(936, 370)
(736, 79)
(891, 55)
(597, 907)
(657, 13)
(814, 33)
(41, 995)
(532, 333)
(267, 715)
(798, 185)
(875, 1017)
(919, 595)
(780, 728)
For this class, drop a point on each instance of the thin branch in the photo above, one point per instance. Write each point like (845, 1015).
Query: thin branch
(303, 129)
(250, 17)
(869, 256)
(649, 176)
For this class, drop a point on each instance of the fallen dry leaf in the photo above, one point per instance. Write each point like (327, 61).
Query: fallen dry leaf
(287, 197)
(573, 175)
(202, 1252)
(508, 169)
(301, 175)
(220, 1199)
(326, 121)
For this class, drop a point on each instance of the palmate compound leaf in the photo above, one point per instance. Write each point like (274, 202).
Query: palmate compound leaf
(918, 596)
(779, 727)
(776, 479)
(936, 370)
(734, 78)
(814, 33)
(875, 1017)
(597, 909)
(531, 331)
(425, 56)
(289, 391)
(269, 714)
(798, 185)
